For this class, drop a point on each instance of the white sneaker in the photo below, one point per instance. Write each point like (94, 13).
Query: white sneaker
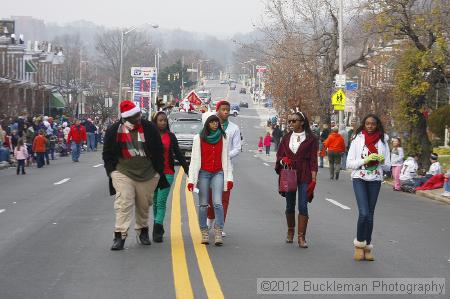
(210, 223)
(446, 194)
(224, 234)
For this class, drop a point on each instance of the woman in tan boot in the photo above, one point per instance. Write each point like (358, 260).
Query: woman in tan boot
(298, 150)
(368, 156)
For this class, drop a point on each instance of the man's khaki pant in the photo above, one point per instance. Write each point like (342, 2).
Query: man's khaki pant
(128, 194)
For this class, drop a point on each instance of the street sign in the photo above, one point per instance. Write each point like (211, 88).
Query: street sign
(142, 85)
(192, 70)
(143, 71)
(340, 81)
(351, 85)
(194, 98)
(338, 98)
(261, 68)
(339, 107)
(108, 102)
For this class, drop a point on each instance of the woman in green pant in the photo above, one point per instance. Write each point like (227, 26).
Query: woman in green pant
(171, 152)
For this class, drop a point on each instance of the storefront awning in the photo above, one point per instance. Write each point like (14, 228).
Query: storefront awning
(57, 100)
(30, 67)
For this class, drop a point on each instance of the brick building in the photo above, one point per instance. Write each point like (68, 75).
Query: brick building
(30, 77)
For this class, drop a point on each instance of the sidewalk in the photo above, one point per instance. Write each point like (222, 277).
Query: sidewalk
(431, 194)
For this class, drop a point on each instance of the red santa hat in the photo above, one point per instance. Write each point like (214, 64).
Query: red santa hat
(128, 108)
(220, 103)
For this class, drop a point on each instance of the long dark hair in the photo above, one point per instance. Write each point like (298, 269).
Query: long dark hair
(155, 119)
(306, 126)
(20, 143)
(205, 131)
(380, 127)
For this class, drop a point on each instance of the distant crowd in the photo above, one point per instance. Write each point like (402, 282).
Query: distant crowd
(27, 142)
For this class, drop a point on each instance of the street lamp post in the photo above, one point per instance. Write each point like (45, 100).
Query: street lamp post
(341, 53)
(122, 37)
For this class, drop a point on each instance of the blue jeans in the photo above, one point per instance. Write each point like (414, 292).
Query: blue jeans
(40, 159)
(213, 181)
(447, 184)
(91, 144)
(302, 200)
(366, 193)
(76, 149)
(344, 161)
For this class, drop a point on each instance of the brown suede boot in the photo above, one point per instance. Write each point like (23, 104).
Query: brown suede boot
(368, 253)
(290, 219)
(302, 224)
(359, 250)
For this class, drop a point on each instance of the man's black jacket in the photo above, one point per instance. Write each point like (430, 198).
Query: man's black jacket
(153, 149)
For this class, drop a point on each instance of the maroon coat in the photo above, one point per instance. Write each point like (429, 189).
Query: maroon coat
(304, 161)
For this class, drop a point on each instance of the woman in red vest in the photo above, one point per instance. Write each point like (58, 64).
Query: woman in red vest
(211, 168)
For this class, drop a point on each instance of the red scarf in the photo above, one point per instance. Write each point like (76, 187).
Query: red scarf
(370, 140)
(128, 149)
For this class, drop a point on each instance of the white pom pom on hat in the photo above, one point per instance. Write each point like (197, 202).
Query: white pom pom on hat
(128, 108)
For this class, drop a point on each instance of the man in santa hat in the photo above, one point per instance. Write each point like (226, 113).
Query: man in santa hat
(234, 149)
(134, 162)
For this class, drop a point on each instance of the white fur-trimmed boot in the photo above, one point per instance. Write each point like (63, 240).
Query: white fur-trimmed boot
(368, 253)
(359, 250)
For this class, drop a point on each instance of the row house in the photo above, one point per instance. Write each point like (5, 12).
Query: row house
(30, 78)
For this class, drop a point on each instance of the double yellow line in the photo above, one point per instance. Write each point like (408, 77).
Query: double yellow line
(182, 282)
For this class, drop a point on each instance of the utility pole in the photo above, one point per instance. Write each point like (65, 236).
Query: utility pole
(341, 54)
(182, 79)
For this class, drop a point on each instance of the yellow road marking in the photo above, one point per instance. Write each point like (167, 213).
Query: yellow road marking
(182, 283)
(210, 281)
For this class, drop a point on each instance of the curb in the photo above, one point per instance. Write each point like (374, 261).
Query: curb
(433, 196)
(426, 194)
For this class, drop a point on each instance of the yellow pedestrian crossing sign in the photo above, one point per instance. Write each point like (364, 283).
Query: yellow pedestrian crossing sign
(338, 98)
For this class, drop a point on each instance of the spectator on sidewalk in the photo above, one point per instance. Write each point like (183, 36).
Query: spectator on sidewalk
(397, 156)
(267, 143)
(435, 168)
(277, 134)
(260, 144)
(39, 147)
(323, 137)
(447, 184)
(21, 155)
(335, 144)
(2, 136)
(75, 139)
(409, 170)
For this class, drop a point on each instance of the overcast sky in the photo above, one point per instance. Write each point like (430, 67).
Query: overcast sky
(208, 16)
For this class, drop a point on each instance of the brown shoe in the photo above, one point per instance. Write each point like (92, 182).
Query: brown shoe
(359, 250)
(368, 253)
(218, 240)
(205, 236)
(302, 225)
(290, 219)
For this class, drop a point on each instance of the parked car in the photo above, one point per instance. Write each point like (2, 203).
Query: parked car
(243, 104)
(243, 90)
(223, 82)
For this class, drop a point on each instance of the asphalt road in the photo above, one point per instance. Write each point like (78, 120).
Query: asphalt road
(55, 238)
